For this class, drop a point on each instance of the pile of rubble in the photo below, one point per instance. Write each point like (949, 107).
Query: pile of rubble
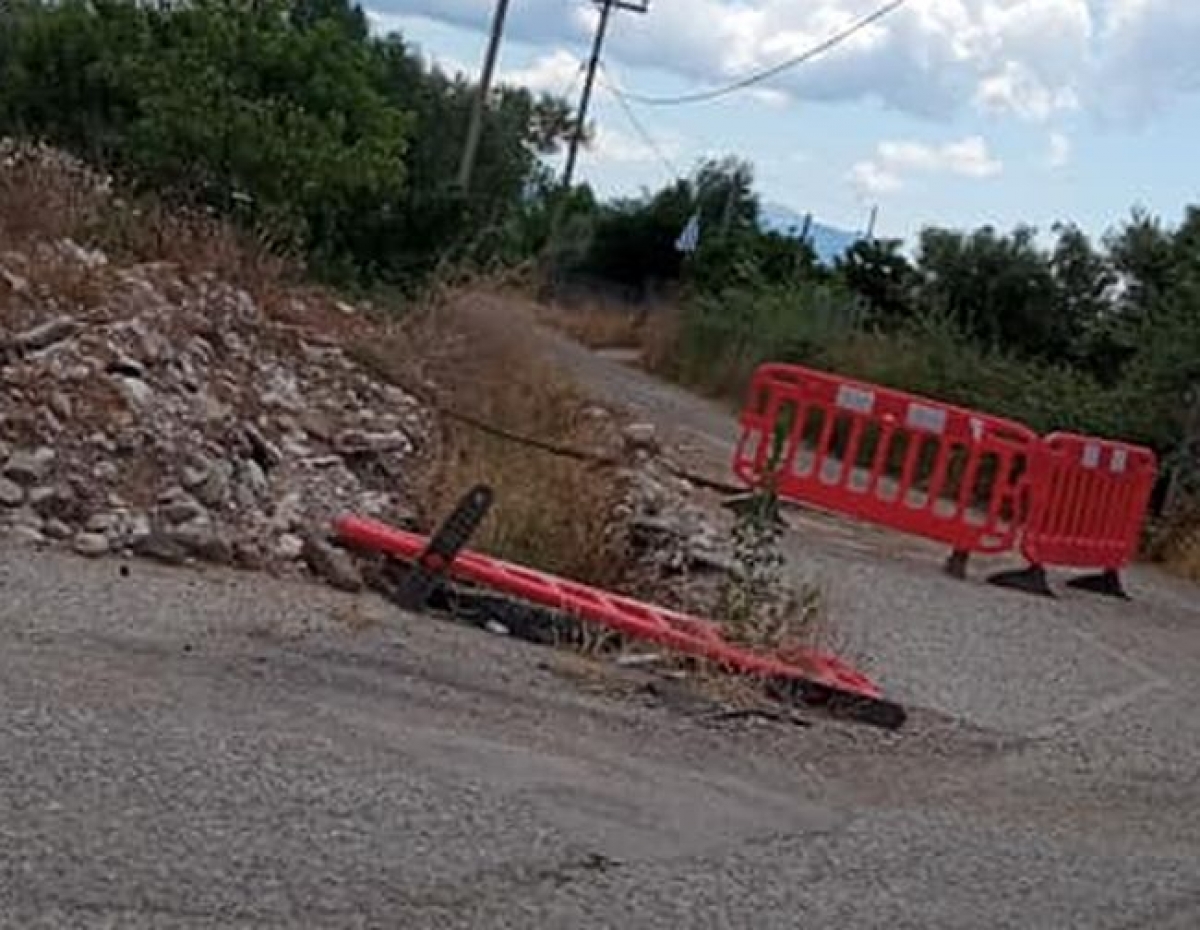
(680, 539)
(149, 410)
(157, 409)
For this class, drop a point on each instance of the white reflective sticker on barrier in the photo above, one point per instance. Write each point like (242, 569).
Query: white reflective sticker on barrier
(1120, 459)
(977, 429)
(1091, 455)
(856, 399)
(930, 419)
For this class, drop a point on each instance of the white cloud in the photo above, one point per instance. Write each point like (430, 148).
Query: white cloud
(869, 179)
(930, 57)
(1016, 90)
(1149, 54)
(1059, 155)
(1029, 59)
(555, 73)
(894, 162)
(612, 146)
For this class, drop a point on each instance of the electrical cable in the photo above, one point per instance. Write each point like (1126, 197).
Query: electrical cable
(638, 126)
(758, 77)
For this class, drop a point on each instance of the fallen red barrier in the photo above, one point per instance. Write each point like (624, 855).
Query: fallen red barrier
(809, 674)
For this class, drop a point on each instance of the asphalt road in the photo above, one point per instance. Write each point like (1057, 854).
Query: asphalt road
(208, 750)
(185, 750)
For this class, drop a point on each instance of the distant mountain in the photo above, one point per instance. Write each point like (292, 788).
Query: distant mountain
(829, 242)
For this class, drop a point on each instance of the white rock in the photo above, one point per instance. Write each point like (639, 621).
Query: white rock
(136, 392)
(641, 435)
(11, 493)
(56, 529)
(60, 403)
(90, 544)
(289, 546)
(105, 471)
(28, 468)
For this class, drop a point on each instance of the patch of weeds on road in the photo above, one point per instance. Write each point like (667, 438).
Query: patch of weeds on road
(756, 605)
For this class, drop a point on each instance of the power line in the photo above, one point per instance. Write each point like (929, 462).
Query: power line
(638, 126)
(757, 78)
(569, 88)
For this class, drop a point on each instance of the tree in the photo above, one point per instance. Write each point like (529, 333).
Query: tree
(877, 271)
(724, 196)
(1000, 288)
(1086, 285)
(634, 240)
(286, 113)
(1143, 254)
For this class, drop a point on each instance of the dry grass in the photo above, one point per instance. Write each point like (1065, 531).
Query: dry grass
(1186, 562)
(47, 196)
(551, 512)
(1177, 544)
(660, 339)
(597, 324)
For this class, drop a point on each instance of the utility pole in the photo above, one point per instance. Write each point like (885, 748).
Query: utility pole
(585, 100)
(471, 149)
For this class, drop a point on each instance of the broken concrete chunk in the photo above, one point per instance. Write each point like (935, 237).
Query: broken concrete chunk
(182, 510)
(203, 542)
(56, 529)
(28, 468)
(289, 546)
(47, 334)
(136, 392)
(90, 544)
(11, 493)
(161, 548)
(333, 564)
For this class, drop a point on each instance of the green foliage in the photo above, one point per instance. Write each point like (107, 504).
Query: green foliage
(1099, 340)
(724, 335)
(877, 271)
(998, 288)
(286, 114)
(932, 356)
(633, 242)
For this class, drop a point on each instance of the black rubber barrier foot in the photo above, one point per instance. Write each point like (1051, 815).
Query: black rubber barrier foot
(1031, 580)
(451, 537)
(956, 564)
(1106, 583)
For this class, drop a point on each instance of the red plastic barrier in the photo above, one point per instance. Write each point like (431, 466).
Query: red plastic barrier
(838, 444)
(1089, 502)
(680, 632)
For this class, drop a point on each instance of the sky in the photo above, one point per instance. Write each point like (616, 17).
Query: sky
(954, 113)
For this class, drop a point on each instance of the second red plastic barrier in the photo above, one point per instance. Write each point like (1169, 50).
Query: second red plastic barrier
(676, 631)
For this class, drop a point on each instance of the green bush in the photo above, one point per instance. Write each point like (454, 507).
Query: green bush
(284, 114)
